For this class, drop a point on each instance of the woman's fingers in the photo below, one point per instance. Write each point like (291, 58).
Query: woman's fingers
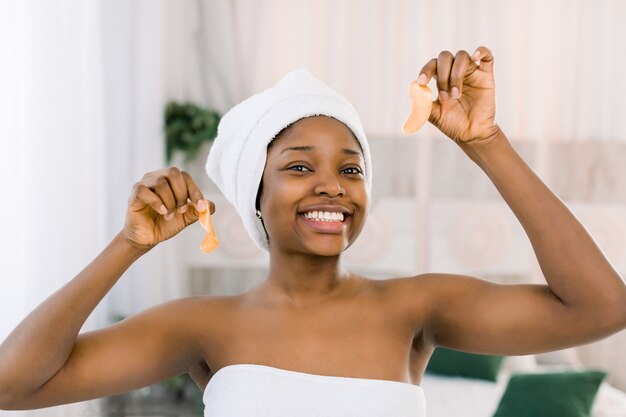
(161, 187)
(195, 195)
(170, 193)
(450, 70)
(169, 190)
(143, 196)
(427, 72)
(459, 67)
(484, 58)
(444, 67)
(178, 187)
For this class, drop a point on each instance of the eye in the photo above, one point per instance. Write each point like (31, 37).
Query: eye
(354, 170)
(299, 168)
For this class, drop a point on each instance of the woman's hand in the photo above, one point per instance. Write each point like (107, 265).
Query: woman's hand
(465, 109)
(162, 204)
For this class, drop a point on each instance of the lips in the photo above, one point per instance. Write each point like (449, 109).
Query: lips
(333, 208)
(335, 227)
(327, 227)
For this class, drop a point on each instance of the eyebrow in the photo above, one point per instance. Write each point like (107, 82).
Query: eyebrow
(346, 151)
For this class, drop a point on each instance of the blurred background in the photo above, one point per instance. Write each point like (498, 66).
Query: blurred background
(89, 89)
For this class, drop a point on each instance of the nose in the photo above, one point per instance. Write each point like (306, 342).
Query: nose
(330, 185)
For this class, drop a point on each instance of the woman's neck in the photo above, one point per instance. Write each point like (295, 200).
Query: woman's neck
(299, 279)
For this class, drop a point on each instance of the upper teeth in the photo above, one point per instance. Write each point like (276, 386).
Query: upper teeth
(324, 216)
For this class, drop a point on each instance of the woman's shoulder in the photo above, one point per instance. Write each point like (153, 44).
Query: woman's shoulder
(425, 283)
(409, 296)
(392, 286)
(420, 295)
(190, 312)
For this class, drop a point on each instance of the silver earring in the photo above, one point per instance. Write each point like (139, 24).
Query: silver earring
(258, 214)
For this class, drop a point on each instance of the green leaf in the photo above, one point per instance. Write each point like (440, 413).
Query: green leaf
(187, 127)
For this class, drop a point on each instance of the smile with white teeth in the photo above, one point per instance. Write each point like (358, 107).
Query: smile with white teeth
(324, 216)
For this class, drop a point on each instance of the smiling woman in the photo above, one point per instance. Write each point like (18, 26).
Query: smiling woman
(314, 339)
(250, 132)
(321, 154)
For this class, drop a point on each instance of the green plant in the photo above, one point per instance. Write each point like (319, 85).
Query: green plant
(186, 390)
(187, 127)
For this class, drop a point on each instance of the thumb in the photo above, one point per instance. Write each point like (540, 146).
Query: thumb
(202, 206)
(435, 112)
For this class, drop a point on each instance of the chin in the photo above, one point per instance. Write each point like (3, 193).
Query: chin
(328, 253)
(327, 249)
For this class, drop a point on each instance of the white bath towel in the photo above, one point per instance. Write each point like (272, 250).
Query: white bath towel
(237, 158)
(250, 390)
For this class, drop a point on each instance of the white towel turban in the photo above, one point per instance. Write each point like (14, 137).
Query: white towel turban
(237, 157)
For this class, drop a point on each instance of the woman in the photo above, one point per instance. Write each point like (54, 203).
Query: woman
(314, 338)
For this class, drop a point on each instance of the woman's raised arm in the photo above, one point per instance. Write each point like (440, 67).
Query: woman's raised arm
(44, 362)
(584, 299)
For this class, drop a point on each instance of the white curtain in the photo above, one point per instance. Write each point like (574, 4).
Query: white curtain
(81, 121)
(558, 62)
(135, 46)
(52, 162)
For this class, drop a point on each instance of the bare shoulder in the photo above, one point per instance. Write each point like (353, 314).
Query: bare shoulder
(414, 287)
(429, 286)
(405, 298)
(183, 311)
(415, 298)
(196, 314)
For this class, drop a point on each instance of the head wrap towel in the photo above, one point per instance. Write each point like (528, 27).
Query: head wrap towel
(237, 157)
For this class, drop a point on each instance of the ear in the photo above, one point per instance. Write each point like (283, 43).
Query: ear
(257, 204)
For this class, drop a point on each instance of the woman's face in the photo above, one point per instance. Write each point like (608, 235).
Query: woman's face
(316, 165)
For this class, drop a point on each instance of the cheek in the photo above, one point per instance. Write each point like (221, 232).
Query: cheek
(276, 194)
(361, 195)
(364, 206)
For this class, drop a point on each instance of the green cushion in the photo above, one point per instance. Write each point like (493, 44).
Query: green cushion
(569, 393)
(469, 365)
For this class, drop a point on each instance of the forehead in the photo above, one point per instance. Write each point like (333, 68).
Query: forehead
(315, 132)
